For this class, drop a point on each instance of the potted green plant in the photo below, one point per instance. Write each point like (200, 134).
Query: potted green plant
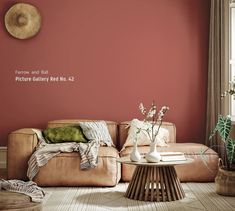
(225, 179)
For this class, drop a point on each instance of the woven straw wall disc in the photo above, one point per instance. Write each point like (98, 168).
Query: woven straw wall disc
(23, 21)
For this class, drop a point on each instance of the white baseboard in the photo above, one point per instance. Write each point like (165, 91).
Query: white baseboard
(3, 157)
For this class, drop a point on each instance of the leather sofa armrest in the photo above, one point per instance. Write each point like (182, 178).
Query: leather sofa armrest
(21, 145)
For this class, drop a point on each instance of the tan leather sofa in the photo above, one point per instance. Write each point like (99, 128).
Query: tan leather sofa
(64, 169)
(197, 171)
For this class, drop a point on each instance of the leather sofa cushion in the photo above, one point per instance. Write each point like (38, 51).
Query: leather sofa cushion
(188, 148)
(21, 144)
(64, 170)
(196, 171)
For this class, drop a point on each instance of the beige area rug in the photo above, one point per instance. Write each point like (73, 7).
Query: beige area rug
(199, 196)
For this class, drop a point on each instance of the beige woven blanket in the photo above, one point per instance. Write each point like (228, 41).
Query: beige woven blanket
(44, 152)
(28, 188)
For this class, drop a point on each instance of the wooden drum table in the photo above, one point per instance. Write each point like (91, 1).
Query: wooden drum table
(154, 181)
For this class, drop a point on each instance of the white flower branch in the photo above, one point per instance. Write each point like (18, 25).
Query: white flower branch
(153, 118)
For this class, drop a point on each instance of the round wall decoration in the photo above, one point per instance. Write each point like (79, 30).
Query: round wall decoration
(23, 20)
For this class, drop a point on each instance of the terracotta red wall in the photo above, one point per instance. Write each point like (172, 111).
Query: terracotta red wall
(121, 53)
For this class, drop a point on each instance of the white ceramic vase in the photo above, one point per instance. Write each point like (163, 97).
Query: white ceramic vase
(135, 155)
(153, 156)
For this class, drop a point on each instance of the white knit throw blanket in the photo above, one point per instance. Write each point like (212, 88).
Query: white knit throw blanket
(44, 152)
(28, 188)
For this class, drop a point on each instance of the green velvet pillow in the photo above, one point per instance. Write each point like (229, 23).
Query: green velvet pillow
(64, 134)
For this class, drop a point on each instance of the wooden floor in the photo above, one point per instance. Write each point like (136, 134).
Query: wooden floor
(199, 196)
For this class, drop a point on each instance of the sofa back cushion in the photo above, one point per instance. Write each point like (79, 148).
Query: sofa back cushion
(123, 132)
(112, 126)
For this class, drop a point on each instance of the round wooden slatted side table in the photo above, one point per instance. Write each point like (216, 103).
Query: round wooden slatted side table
(154, 181)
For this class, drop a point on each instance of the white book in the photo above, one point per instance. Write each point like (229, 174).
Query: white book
(171, 153)
(172, 156)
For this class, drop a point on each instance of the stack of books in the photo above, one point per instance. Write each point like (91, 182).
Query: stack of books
(172, 156)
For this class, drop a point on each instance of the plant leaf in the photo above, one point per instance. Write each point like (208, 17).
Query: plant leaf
(223, 127)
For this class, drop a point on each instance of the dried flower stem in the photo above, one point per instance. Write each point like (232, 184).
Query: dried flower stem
(154, 118)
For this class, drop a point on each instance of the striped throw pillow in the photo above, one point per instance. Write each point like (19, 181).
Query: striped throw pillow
(97, 131)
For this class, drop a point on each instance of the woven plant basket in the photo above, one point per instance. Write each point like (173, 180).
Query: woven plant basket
(225, 181)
